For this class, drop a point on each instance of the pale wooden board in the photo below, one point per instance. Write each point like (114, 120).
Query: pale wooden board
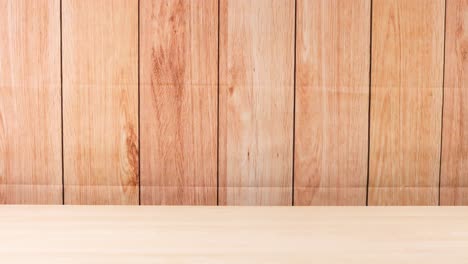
(406, 101)
(256, 102)
(179, 96)
(454, 175)
(30, 121)
(124, 234)
(332, 102)
(100, 101)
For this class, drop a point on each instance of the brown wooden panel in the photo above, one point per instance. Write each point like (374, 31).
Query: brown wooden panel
(30, 119)
(332, 102)
(406, 101)
(454, 177)
(179, 58)
(256, 102)
(100, 101)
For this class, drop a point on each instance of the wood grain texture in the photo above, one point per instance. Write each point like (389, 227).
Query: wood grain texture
(406, 101)
(30, 121)
(454, 174)
(228, 235)
(256, 102)
(100, 101)
(332, 102)
(179, 101)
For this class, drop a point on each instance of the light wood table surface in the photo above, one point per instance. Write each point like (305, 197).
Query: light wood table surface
(117, 234)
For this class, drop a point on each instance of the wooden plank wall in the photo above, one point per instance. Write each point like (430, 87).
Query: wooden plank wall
(406, 103)
(30, 119)
(100, 101)
(332, 102)
(454, 176)
(256, 93)
(234, 102)
(179, 102)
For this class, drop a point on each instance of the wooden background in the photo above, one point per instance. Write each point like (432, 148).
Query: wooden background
(234, 102)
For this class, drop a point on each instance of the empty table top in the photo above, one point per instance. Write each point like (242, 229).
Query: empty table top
(146, 234)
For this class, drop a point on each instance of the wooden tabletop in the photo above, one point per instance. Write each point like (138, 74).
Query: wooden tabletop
(117, 234)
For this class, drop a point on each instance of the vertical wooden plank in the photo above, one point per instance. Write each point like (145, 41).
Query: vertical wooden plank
(179, 58)
(332, 102)
(454, 177)
(100, 101)
(256, 102)
(30, 118)
(406, 101)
